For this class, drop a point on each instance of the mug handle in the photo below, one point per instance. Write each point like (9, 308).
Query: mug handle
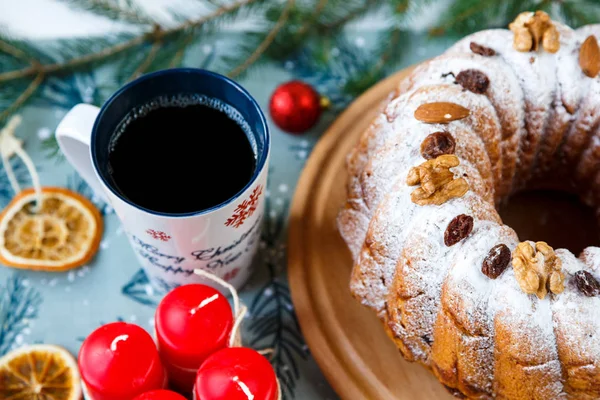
(73, 135)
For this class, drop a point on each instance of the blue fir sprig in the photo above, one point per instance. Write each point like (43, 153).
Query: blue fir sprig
(338, 70)
(19, 304)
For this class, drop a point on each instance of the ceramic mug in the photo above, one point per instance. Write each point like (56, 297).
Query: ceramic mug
(222, 239)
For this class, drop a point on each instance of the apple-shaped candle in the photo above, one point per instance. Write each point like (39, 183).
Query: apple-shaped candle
(191, 322)
(160, 394)
(236, 373)
(118, 361)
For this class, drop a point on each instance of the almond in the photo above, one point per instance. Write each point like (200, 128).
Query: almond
(440, 113)
(589, 57)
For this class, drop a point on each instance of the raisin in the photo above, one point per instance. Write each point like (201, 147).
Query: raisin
(427, 339)
(587, 284)
(458, 229)
(496, 261)
(481, 50)
(473, 80)
(437, 144)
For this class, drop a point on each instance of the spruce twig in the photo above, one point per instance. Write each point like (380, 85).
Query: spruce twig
(460, 17)
(147, 60)
(23, 97)
(153, 36)
(178, 57)
(266, 42)
(151, 54)
(346, 18)
(13, 51)
(304, 27)
(391, 46)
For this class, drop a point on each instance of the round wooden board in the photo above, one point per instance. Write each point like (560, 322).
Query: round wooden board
(346, 339)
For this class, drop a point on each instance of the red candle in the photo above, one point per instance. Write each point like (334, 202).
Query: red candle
(160, 394)
(118, 361)
(236, 373)
(192, 321)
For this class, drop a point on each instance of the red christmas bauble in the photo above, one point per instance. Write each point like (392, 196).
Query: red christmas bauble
(191, 322)
(160, 395)
(295, 106)
(236, 373)
(119, 361)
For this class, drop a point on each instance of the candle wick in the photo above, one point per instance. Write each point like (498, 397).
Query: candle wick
(204, 303)
(120, 338)
(244, 388)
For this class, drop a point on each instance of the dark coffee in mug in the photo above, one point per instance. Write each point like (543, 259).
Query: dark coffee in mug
(181, 154)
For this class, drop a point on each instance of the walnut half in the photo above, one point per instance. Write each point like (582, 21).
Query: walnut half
(538, 269)
(437, 181)
(534, 29)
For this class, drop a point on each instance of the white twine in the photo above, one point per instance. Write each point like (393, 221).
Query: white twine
(9, 146)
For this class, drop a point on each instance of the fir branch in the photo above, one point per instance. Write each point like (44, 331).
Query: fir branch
(388, 58)
(15, 52)
(23, 97)
(68, 91)
(125, 10)
(166, 53)
(147, 60)
(304, 28)
(76, 62)
(152, 36)
(155, 58)
(296, 31)
(578, 13)
(266, 42)
(338, 69)
(350, 15)
(30, 52)
(178, 57)
(19, 304)
(467, 16)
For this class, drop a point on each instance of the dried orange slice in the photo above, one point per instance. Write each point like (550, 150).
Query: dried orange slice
(63, 234)
(40, 371)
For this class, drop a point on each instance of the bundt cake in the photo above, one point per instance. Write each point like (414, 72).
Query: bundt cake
(501, 111)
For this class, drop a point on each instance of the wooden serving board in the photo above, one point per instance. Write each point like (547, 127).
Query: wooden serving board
(346, 339)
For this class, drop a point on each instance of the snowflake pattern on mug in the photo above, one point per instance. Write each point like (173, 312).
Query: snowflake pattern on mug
(159, 235)
(245, 209)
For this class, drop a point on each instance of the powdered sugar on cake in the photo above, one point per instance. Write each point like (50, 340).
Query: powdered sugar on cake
(482, 337)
